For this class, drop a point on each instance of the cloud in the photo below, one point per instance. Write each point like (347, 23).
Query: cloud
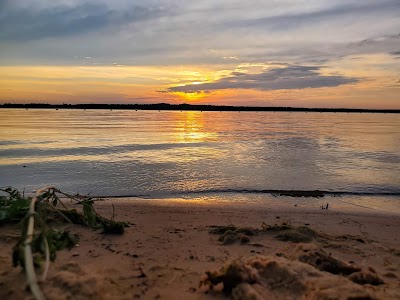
(30, 23)
(282, 78)
(395, 53)
(230, 57)
(177, 32)
(295, 19)
(381, 44)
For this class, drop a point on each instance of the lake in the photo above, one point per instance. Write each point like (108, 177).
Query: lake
(169, 153)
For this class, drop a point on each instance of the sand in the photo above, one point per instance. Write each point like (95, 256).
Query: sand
(168, 252)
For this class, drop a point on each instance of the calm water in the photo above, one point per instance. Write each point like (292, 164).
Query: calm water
(167, 153)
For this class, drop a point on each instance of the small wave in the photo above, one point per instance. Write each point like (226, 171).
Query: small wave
(274, 192)
(300, 193)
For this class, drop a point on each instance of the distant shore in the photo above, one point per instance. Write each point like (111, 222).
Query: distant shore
(194, 107)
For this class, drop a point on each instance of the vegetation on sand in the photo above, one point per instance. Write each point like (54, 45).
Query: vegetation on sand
(39, 241)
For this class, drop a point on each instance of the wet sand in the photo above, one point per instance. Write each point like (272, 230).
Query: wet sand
(168, 249)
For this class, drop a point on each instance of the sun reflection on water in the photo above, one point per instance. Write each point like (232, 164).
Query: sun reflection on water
(191, 128)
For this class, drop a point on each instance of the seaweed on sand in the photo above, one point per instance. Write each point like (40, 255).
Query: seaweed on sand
(294, 193)
(276, 227)
(231, 234)
(289, 233)
(300, 234)
(13, 207)
(38, 241)
(223, 229)
(230, 237)
(285, 232)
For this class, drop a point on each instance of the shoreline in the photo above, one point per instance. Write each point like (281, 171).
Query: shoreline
(355, 202)
(272, 192)
(351, 204)
(168, 249)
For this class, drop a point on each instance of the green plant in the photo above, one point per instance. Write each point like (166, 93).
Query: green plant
(39, 242)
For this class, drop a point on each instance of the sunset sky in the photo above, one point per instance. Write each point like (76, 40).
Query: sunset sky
(314, 53)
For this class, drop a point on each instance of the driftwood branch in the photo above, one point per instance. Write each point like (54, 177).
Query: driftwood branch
(29, 266)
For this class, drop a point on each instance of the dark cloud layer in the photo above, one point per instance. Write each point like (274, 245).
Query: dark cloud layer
(23, 24)
(289, 77)
(177, 32)
(289, 20)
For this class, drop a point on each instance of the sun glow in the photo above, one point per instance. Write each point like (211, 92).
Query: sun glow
(191, 96)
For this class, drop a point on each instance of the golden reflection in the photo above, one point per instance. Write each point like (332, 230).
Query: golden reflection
(191, 127)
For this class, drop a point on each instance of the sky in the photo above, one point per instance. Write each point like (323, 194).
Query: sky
(314, 53)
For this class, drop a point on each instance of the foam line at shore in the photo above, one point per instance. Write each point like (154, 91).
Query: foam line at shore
(290, 193)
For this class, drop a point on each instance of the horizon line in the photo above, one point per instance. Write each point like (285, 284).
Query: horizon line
(188, 107)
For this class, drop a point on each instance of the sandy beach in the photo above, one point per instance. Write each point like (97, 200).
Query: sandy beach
(199, 150)
(284, 252)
